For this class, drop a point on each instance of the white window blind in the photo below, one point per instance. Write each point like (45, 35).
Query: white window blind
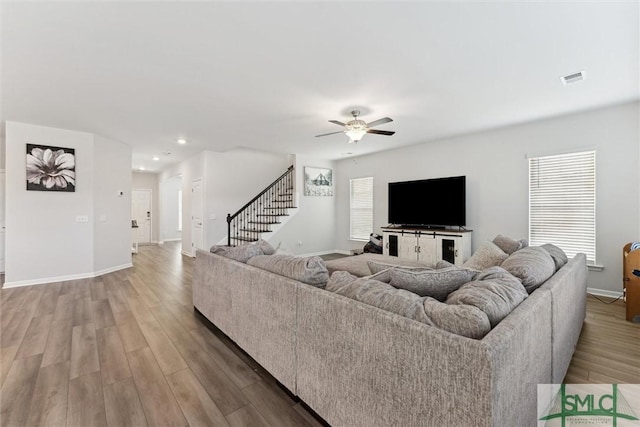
(562, 202)
(361, 216)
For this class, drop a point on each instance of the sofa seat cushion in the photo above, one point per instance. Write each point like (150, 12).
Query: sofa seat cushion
(462, 320)
(311, 270)
(532, 265)
(376, 267)
(495, 291)
(487, 255)
(358, 264)
(436, 284)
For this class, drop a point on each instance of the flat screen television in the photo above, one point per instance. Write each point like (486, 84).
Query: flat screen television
(438, 202)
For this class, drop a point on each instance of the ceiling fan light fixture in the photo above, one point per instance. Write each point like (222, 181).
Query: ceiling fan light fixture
(355, 134)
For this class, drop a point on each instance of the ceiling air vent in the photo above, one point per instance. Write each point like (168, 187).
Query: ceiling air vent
(573, 78)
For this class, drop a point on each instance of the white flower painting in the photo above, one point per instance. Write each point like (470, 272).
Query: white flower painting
(51, 168)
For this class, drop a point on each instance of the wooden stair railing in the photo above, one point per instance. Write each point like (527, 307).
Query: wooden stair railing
(264, 210)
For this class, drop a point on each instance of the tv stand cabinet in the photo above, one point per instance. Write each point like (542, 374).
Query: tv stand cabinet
(429, 245)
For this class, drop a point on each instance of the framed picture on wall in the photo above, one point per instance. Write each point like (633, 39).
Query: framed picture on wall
(318, 181)
(51, 168)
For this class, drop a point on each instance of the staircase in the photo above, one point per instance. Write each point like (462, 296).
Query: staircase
(263, 211)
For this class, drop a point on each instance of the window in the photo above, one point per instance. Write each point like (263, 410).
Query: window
(562, 202)
(361, 217)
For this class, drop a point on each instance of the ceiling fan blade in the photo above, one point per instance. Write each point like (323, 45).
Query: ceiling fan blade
(330, 133)
(335, 122)
(379, 122)
(380, 132)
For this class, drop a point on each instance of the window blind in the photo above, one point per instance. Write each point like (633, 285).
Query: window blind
(562, 202)
(361, 208)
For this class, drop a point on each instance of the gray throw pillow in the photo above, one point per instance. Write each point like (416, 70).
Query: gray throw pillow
(532, 265)
(310, 270)
(266, 247)
(509, 245)
(495, 291)
(240, 253)
(463, 320)
(433, 283)
(558, 255)
(487, 255)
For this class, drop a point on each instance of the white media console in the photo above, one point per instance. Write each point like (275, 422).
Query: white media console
(429, 245)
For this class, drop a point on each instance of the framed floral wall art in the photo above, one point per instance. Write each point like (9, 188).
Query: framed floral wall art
(51, 168)
(318, 181)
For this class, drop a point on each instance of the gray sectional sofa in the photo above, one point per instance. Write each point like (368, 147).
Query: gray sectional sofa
(358, 365)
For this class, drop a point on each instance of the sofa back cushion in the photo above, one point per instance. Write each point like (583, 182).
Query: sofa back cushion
(509, 245)
(495, 291)
(240, 253)
(462, 320)
(310, 270)
(558, 255)
(377, 266)
(436, 284)
(532, 265)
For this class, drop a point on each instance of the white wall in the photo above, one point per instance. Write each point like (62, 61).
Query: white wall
(497, 183)
(233, 178)
(169, 193)
(314, 224)
(149, 181)
(112, 219)
(44, 242)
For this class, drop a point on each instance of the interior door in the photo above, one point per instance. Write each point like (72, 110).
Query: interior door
(2, 220)
(197, 229)
(141, 213)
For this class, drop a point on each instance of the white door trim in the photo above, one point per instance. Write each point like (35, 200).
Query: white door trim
(202, 225)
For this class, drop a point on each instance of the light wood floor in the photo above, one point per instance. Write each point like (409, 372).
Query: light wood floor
(128, 349)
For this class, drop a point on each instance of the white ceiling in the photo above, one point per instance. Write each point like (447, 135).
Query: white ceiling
(268, 75)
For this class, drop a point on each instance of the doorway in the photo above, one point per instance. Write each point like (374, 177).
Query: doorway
(197, 229)
(171, 209)
(141, 213)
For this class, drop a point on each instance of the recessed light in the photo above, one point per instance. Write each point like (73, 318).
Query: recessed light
(141, 168)
(182, 141)
(156, 158)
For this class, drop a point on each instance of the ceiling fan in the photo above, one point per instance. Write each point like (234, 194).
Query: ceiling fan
(356, 128)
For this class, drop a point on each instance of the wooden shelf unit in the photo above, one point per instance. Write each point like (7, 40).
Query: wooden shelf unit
(631, 282)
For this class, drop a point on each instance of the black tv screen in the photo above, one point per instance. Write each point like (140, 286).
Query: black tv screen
(435, 202)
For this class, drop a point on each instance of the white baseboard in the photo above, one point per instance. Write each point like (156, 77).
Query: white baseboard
(189, 254)
(604, 293)
(46, 280)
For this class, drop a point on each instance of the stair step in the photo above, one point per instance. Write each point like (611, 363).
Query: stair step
(272, 215)
(263, 222)
(252, 230)
(245, 239)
